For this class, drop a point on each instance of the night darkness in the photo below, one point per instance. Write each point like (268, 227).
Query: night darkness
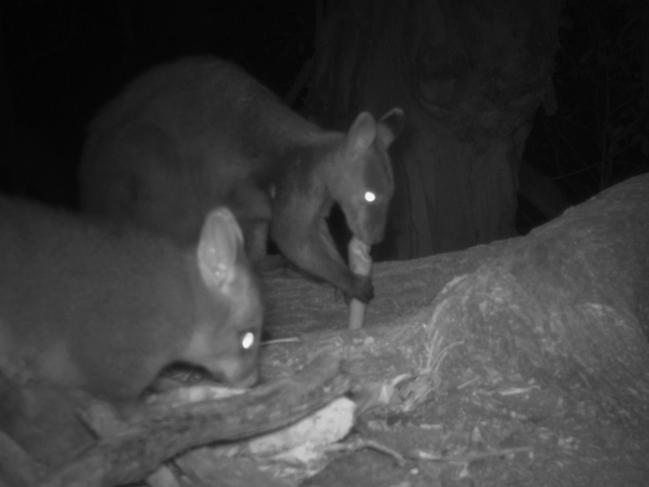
(63, 60)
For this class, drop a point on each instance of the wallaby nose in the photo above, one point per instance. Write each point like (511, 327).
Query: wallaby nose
(369, 228)
(235, 372)
(373, 232)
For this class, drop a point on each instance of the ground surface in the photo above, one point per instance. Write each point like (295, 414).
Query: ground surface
(543, 366)
(495, 431)
(524, 362)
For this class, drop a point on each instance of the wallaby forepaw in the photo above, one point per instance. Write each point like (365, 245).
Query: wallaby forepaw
(363, 289)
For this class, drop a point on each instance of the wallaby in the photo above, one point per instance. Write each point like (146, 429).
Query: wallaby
(201, 132)
(106, 309)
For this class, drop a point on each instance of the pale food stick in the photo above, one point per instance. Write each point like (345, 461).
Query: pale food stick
(360, 263)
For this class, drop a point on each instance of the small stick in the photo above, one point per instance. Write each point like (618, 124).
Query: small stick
(360, 443)
(360, 263)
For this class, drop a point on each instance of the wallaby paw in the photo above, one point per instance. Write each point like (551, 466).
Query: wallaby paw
(362, 289)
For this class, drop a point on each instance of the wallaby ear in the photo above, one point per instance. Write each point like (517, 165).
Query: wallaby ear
(221, 240)
(362, 133)
(390, 126)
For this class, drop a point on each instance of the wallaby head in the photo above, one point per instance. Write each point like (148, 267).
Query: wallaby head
(229, 313)
(363, 182)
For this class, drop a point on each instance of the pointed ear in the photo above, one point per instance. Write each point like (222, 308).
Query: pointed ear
(362, 133)
(390, 126)
(221, 240)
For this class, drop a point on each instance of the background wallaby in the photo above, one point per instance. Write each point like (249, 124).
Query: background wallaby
(106, 309)
(200, 132)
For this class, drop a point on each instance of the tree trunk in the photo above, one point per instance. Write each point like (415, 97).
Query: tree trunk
(470, 76)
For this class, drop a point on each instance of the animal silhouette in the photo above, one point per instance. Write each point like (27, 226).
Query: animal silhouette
(200, 132)
(106, 309)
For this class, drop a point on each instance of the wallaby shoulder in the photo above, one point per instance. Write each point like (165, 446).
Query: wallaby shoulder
(60, 261)
(46, 241)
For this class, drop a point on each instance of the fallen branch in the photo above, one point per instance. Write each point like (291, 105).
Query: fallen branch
(156, 433)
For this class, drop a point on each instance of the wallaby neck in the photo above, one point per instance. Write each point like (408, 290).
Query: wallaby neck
(312, 157)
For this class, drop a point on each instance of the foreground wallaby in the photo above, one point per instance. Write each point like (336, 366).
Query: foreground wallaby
(105, 310)
(200, 132)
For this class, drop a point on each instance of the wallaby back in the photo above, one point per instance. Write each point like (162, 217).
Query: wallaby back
(106, 310)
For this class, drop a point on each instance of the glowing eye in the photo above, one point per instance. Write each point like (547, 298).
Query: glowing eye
(369, 196)
(247, 340)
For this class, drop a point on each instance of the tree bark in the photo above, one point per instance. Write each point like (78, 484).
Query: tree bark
(470, 77)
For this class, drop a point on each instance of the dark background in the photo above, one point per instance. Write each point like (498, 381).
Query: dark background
(62, 60)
